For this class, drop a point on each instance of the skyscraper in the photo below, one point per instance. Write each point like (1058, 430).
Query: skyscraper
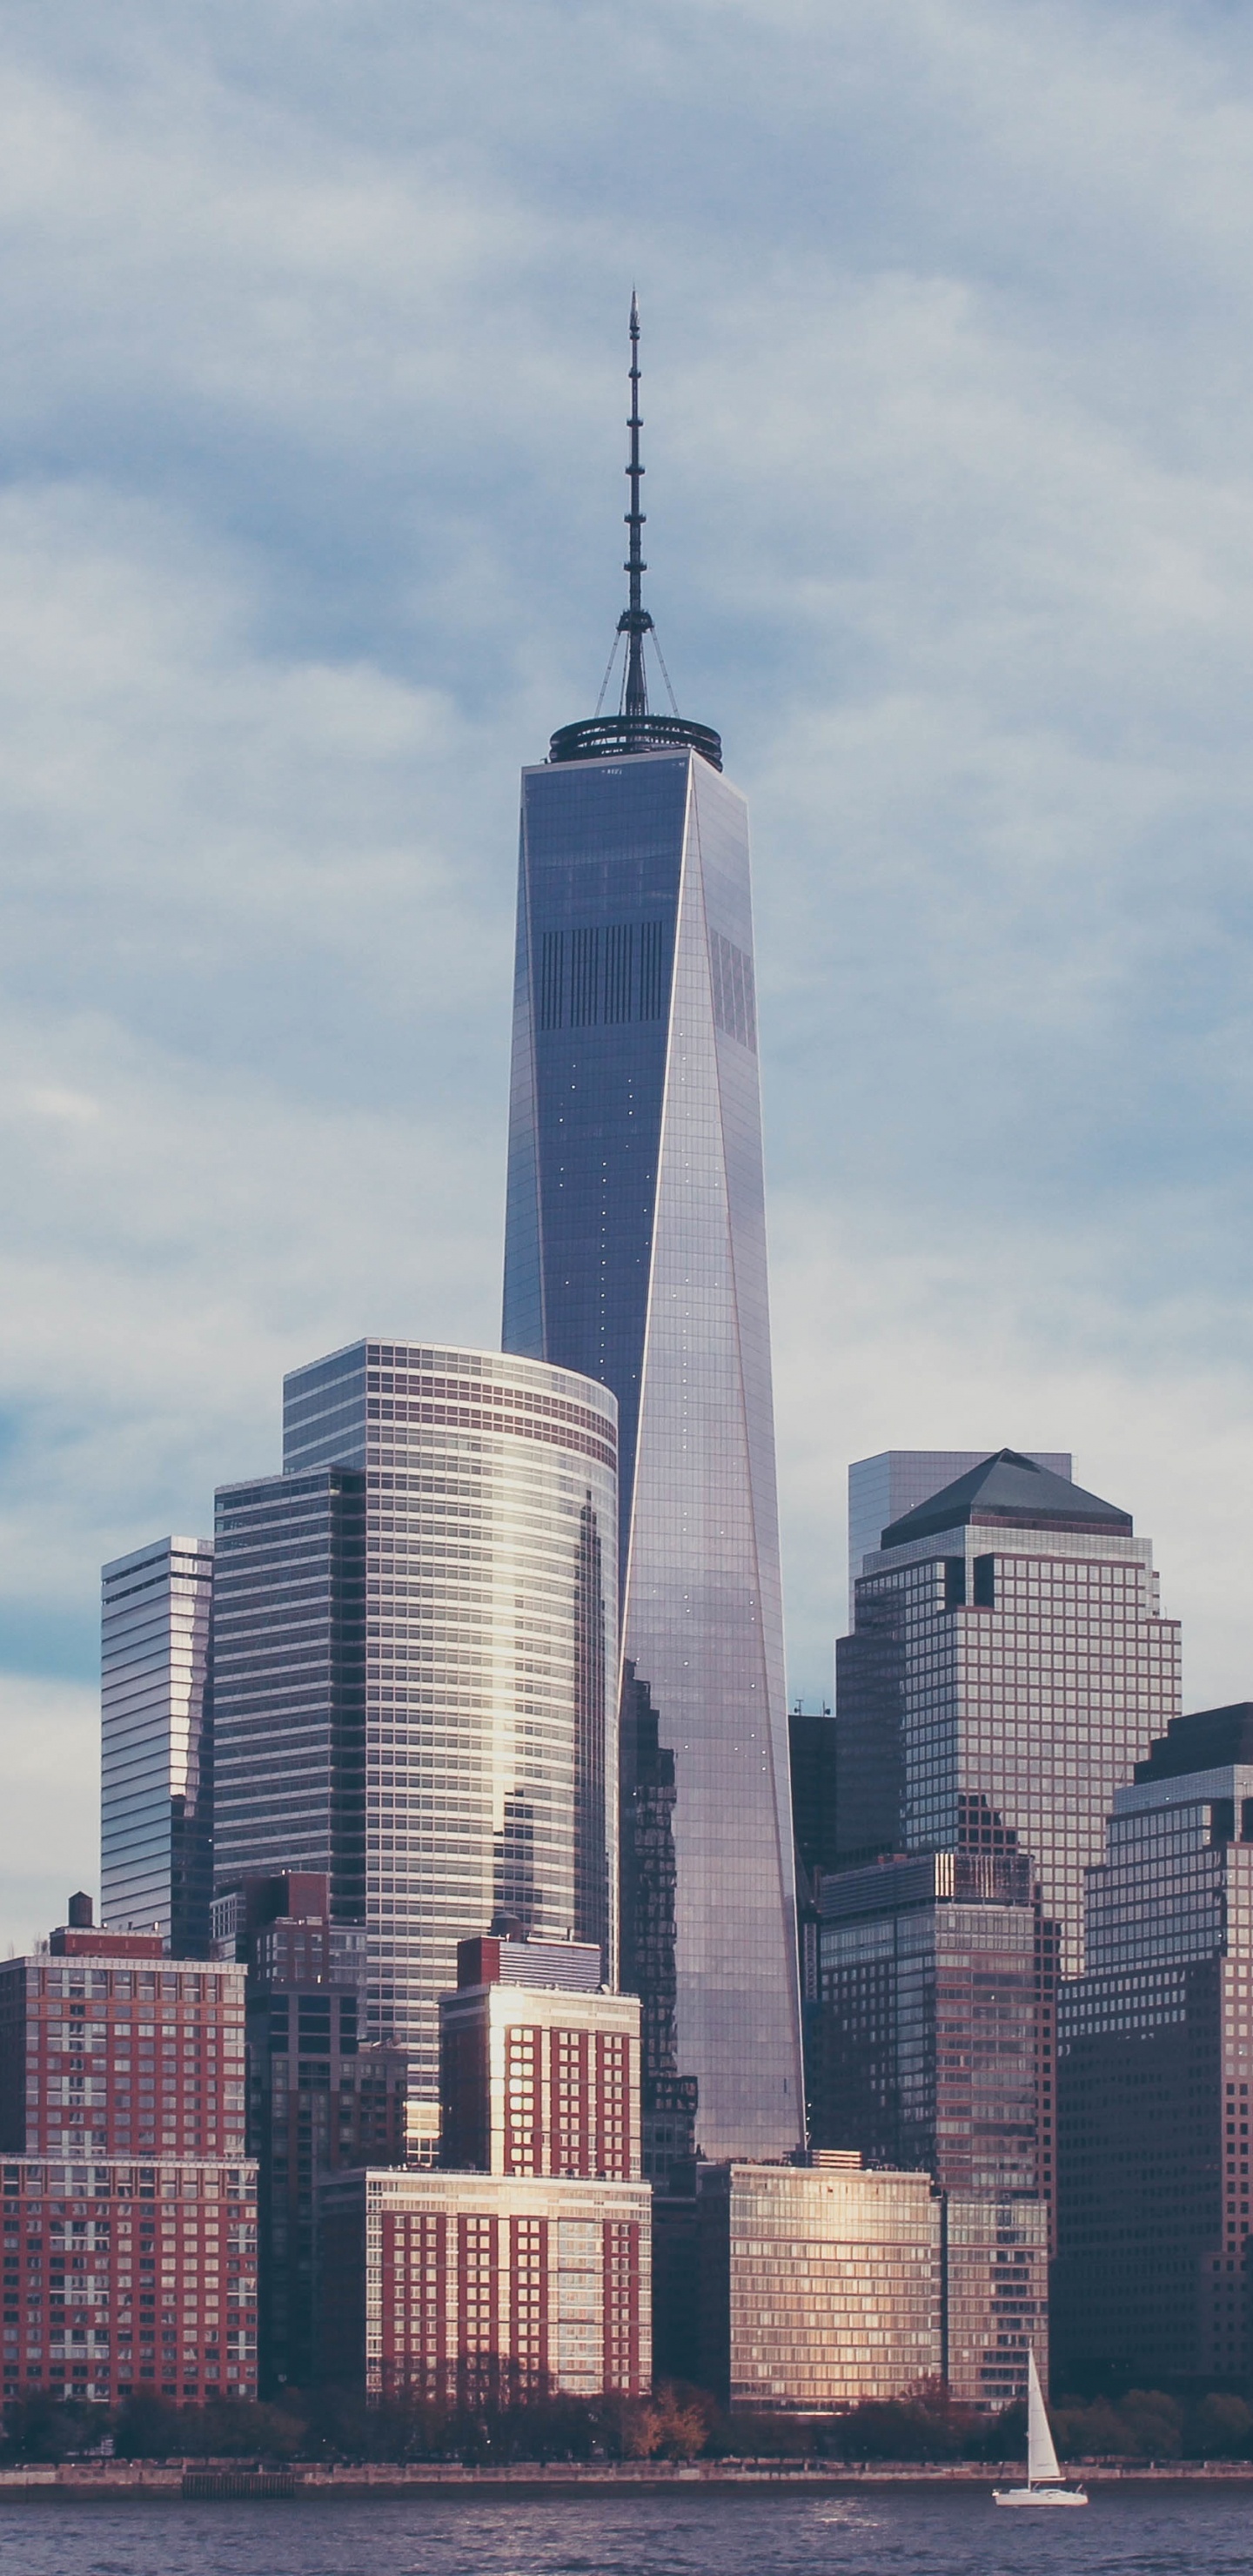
(1008, 1667)
(934, 2044)
(156, 1801)
(635, 1252)
(415, 1642)
(1154, 2283)
(896, 1481)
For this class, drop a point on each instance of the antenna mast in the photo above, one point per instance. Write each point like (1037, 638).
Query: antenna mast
(635, 622)
(633, 729)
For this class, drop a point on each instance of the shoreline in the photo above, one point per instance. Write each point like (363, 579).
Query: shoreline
(224, 2481)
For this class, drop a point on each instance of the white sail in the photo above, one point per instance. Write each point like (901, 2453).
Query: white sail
(1041, 2456)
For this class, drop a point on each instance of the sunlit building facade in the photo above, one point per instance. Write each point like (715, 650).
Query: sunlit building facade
(415, 1663)
(815, 2289)
(472, 2289)
(540, 2068)
(938, 2020)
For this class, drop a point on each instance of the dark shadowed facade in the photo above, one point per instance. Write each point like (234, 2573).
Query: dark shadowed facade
(1156, 2060)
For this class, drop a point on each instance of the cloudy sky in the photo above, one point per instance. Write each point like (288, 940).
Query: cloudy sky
(311, 430)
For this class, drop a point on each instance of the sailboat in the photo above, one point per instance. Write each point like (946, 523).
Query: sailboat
(1044, 2478)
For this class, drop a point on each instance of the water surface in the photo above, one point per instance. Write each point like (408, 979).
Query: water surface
(1179, 2532)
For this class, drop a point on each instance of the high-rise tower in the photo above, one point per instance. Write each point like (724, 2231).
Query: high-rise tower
(1008, 1665)
(156, 1772)
(414, 1652)
(636, 1253)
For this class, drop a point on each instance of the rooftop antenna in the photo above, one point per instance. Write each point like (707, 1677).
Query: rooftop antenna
(633, 729)
(635, 622)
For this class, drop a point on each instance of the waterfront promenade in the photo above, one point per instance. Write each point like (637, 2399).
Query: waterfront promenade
(207, 2481)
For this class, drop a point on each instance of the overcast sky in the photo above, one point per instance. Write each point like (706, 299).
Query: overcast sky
(311, 425)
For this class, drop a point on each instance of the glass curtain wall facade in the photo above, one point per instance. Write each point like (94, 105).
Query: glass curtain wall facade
(417, 1643)
(156, 1796)
(289, 1645)
(1153, 2284)
(1008, 1667)
(939, 2000)
(883, 1488)
(635, 1252)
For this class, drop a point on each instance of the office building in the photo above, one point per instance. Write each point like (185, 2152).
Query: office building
(156, 1795)
(415, 1644)
(812, 1763)
(129, 2279)
(471, 2288)
(1152, 2285)
(321, 2097)
(807, 2288)
(540, 2069)
(934, 2047)
(996, 2298)
(883, 1488)
(1008, 1667)
(939, 2020)
(528, 2271)
(819, 2287)
(109, 2048)
(636, 1253)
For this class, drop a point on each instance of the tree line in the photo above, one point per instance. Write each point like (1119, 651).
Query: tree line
(676, 2422)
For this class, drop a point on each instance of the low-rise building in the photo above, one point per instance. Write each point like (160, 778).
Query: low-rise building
(468, 2288)
(806, 2288)
(996, 2297)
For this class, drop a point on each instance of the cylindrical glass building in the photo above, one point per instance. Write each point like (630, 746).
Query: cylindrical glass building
(415, 1649)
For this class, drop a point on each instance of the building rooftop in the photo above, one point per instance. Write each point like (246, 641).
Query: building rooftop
(1210, 1740)
(1008, 1491)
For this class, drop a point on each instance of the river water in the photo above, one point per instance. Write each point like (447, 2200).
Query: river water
(934, 2533)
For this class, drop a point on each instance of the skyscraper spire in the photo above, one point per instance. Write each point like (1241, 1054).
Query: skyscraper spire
(635, 622)
(634, 728)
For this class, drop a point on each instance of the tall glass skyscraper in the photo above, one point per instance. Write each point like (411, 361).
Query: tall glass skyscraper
(1008, 1666)
(415, 1646)
(636, 1253)
(156, 1793)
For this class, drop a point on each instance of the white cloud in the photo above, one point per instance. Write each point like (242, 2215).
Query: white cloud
(50, 1813)
(312, 421)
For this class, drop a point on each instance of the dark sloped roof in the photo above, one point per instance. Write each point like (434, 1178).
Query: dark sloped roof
(1008, 1491)
(1207, 1741)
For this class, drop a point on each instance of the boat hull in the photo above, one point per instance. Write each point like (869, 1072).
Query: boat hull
(1039, 2495)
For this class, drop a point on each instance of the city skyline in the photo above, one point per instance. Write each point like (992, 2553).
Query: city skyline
(964, 581)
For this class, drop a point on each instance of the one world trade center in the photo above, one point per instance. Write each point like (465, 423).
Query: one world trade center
(636, 1253)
